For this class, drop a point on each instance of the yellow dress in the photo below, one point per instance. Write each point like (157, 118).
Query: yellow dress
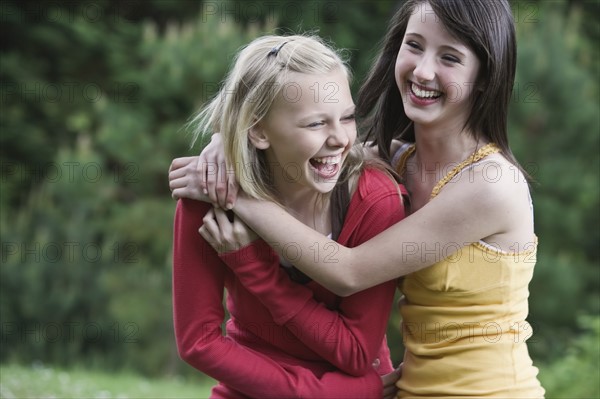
(464, 325)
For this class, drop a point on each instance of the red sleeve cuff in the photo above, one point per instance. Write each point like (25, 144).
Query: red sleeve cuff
(256, 251)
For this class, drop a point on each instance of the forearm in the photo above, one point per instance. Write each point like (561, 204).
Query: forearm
(443, 227)
(424, 238)
(319, 257)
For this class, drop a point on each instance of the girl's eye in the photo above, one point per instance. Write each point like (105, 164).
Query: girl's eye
(350, 117)
(451, 58)
(414, 45)
(316, 124)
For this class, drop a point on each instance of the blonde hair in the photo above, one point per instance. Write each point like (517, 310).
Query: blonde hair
(258, 75)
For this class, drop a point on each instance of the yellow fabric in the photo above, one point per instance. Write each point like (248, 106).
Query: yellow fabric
(478, 155)
(464, 325)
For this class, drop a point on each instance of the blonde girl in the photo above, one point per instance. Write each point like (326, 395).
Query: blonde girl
(286, 116)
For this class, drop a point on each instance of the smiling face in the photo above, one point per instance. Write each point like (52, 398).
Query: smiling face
(308, 132)
(434, 72)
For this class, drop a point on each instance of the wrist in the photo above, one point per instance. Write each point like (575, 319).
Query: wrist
(242, 203)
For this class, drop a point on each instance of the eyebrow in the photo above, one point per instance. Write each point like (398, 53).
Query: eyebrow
(445, 46)
(351, 108)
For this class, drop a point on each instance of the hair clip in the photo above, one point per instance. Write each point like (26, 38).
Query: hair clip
(275, 50)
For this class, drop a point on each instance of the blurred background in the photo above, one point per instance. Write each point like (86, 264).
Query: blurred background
(94, 96)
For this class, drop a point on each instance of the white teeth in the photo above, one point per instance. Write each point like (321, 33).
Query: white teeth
(424, 93)
(329, 160)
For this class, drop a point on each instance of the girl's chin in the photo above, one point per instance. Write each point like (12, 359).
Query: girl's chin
(325, 187)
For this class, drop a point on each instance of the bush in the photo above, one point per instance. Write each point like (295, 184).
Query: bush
(576, 374)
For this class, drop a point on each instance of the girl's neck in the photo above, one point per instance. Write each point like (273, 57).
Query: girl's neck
(443, 147)
(437, 152)
(308, 206)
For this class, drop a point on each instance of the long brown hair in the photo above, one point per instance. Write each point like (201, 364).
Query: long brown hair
(487, 27)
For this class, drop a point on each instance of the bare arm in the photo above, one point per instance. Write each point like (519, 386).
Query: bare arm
(447, 223)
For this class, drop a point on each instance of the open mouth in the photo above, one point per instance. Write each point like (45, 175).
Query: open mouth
(326, 167)
(424, 94)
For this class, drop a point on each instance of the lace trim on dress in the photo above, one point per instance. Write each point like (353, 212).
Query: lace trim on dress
(478, 155)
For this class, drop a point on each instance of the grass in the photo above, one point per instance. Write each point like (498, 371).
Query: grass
(44, 382)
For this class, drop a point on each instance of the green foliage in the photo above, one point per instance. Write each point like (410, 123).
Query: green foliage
(575, 375)
(86, 212)
(93, 103)
(554, 129)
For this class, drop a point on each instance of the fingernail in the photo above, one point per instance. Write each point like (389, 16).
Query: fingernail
(229, 206)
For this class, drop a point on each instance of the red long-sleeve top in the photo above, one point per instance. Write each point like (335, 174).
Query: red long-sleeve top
(283, 339)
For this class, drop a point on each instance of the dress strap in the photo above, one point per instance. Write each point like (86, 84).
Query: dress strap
(406, 153)
(478, 155)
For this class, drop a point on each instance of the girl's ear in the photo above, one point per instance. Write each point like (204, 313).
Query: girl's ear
(258, 138)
